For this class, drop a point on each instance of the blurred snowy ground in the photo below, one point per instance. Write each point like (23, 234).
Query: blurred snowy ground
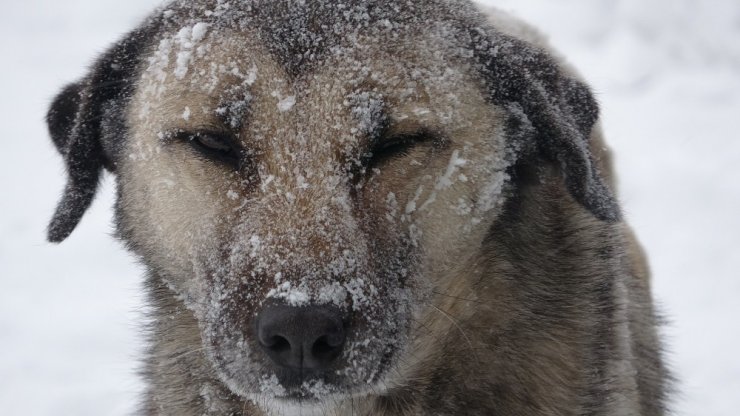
(667, 73)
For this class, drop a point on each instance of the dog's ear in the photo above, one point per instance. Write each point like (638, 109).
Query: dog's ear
(86, 124)
(82, 153)
(559, 111)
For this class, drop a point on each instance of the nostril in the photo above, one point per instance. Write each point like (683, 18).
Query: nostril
(277, 343)
(327, 347)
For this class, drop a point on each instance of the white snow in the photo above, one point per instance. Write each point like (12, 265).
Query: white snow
(286, 103)
(445, 181)
(295, 296)
(199, 31)
(667, 73)
(187, 39)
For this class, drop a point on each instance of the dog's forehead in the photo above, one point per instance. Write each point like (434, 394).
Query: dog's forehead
(233, 73)
(301, 33)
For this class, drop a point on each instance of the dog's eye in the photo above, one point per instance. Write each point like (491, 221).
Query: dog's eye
(393, 147)
(212, 143)
(216, 146)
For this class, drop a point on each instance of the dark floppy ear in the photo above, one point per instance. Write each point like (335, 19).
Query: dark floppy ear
(82, 155)
(86, 124)
(560, 110)
(62, 113)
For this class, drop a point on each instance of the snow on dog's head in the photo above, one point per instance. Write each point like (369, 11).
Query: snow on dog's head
(305, 176)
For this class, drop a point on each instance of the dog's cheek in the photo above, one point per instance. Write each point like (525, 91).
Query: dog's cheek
(171, 214)
(449, 207)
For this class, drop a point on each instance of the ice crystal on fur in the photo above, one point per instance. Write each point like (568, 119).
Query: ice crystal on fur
(286, 103)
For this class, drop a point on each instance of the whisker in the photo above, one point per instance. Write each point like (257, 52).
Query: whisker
(455, 323)
(186, 353)
(457, 297)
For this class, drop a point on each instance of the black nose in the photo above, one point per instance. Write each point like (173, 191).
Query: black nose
(301, 338)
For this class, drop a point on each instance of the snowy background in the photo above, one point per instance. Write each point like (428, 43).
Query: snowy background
(667, 73)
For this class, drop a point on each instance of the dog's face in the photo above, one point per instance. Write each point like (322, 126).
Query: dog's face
(352, 185)
(307, 210)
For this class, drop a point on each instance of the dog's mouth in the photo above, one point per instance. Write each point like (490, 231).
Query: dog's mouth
(316, 391)
(304, 355)
(311, 389)
(264, 382)
(304, 385)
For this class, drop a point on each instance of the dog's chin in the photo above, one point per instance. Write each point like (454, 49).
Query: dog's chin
(281, 396)
(309, 392)
(313, 400)
(313, 396)
(290, 405)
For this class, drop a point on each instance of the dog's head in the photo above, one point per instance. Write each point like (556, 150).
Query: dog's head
(305, 176)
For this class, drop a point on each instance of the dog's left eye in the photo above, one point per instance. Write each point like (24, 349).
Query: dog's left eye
(215, 146)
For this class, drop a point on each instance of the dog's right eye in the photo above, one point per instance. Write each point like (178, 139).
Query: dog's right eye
(394, 147)
(213, 145)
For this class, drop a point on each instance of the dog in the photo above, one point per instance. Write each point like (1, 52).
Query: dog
(363, 207)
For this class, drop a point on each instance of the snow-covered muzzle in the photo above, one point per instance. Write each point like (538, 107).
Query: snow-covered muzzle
(320, 257)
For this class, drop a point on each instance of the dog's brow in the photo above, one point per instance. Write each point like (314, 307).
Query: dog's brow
(370, 113)
(234, 105)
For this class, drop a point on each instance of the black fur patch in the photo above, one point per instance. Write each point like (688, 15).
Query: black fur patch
(86, 123)
(561, 110)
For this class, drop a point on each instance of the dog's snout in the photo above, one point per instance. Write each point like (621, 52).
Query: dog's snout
(301, 338)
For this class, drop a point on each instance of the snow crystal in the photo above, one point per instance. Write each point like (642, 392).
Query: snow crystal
(186, 114)
(199, 32)
(317, 388)
(391, 207)
(250, 76)
(333, 293)
(294, 296)
(411, 205)
(361, 292)
(183, 60)
(187, 38)
(367, 110)
(286, 103)
(446, 179)
(184, 35)
(455, 162)
(463, 207)
(271, 385)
